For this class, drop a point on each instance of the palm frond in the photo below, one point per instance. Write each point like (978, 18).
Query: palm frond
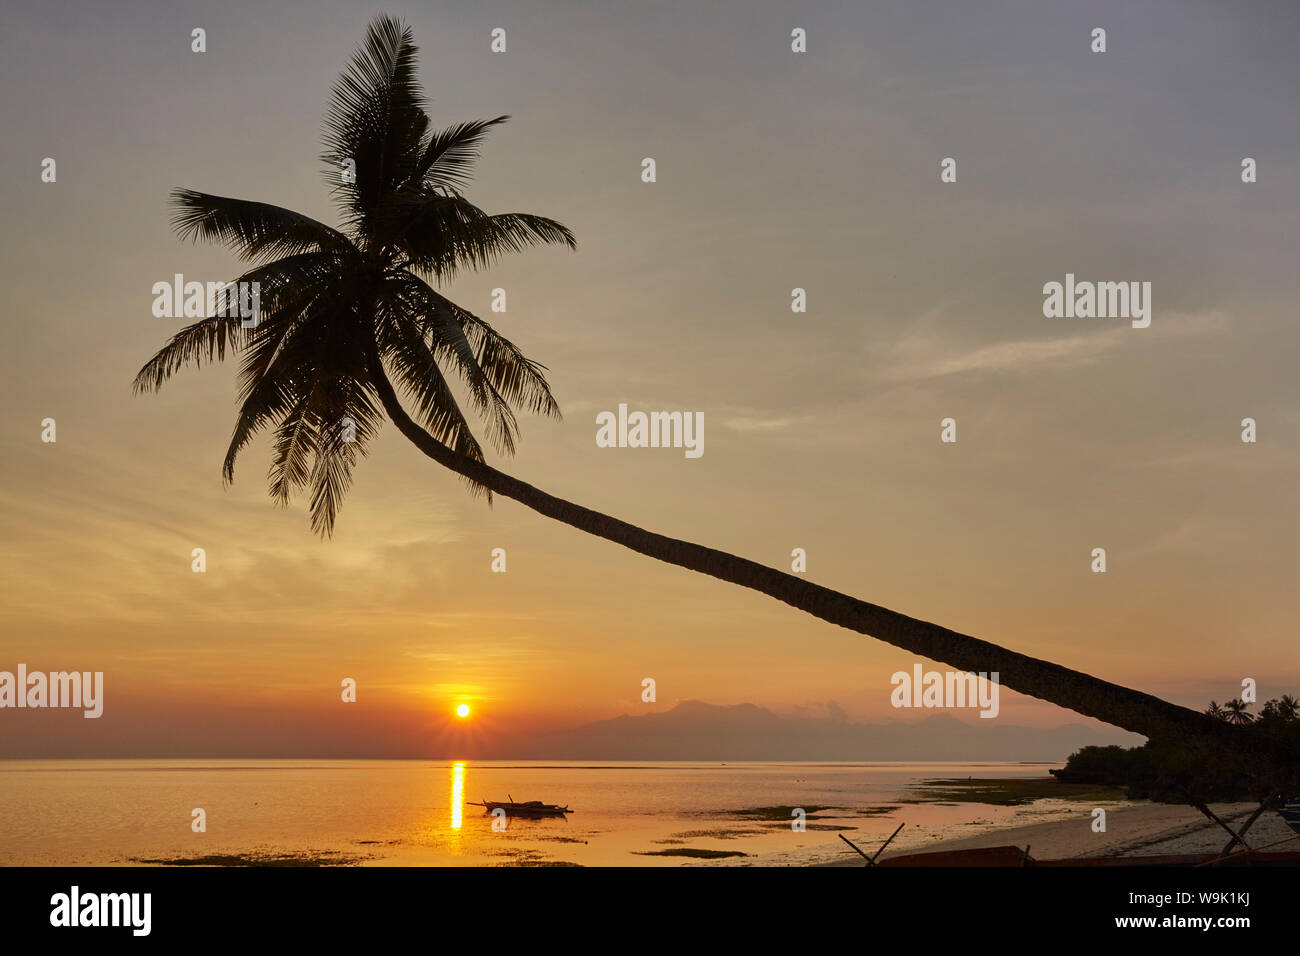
(254, 230)
(283, 284)
(448, 158)
(376, 120)
(293, 448)
(208, 339)
(402, 343)
(519, 379)
(442, 235)
(273, 400)
(284, 357)
(441, 321)
(337, 447)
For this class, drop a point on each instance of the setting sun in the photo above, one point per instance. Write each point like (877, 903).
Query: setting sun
(462, 710)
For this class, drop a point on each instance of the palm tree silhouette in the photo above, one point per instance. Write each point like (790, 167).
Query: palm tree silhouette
(1287, 707)
(1238, 712)
(346, 313)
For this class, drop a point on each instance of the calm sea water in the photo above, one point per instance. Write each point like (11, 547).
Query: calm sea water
(115, 812)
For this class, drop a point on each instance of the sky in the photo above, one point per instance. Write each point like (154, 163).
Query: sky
(775, 170)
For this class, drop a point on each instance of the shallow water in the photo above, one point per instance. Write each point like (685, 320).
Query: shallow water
(114, 812)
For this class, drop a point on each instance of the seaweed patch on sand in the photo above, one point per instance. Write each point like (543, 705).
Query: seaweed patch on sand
(720, 833)
(1012, 792)
(809, 826)
(530, 858)
(772, 813)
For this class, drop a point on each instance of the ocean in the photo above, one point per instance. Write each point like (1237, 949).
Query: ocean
(417, 813)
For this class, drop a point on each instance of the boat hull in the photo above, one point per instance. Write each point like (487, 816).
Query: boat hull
(531, 809)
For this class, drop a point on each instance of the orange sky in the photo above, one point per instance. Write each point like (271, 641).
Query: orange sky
(822, 428)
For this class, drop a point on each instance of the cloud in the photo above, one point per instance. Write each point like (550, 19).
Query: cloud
(1013, 356)
(753, 424)
(924, 354)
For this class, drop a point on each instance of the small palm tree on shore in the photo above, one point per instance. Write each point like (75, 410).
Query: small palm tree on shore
(351, 315)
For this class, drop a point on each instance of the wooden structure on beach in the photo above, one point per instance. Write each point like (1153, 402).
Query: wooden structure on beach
(1014, 856)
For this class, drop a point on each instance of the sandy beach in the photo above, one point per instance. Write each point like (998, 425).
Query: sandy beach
(1154, 829)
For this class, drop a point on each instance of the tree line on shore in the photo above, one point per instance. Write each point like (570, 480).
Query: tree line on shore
(1184, 771)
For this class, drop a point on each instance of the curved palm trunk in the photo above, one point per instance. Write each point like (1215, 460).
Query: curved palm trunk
(1129, 709)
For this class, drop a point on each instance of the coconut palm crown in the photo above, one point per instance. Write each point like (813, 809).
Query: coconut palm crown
(339, 307)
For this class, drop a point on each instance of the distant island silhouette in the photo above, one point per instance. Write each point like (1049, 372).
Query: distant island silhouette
(695, 730)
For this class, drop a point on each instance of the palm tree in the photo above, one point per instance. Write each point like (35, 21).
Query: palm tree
(1215, 711)
(349, 315)
(1287, 707)
(1238, 712)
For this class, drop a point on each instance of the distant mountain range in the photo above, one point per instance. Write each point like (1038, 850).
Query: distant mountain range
(694, 730)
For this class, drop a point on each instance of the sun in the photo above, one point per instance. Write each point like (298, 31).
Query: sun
(462, 710)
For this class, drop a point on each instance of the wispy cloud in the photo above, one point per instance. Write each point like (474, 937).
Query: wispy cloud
(926, 354)
(1022, 355)
(745, 423)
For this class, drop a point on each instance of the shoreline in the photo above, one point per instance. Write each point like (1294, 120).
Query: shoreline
(1152, 829)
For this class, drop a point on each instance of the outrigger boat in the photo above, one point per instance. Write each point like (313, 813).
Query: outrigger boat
(532, 808)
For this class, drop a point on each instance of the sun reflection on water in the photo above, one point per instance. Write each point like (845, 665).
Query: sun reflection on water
(457, 794)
